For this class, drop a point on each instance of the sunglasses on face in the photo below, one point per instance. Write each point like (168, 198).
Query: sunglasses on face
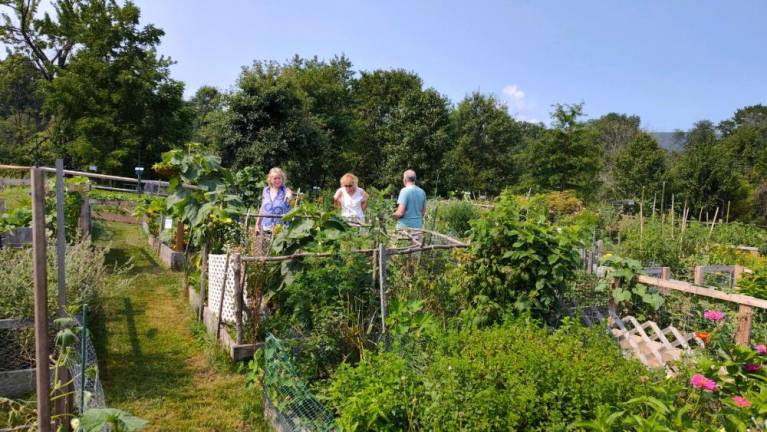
(348, 185)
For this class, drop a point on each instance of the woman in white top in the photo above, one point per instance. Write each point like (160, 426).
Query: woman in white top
(351, 199)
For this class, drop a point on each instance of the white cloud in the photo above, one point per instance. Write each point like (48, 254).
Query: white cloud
(518, 105)
(515, 98)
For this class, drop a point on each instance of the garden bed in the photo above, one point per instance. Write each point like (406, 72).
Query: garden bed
(171, 258)
(236, 351)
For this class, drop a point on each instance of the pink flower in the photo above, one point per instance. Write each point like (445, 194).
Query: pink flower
(741, 401)
(702, 383)
(752, 368)
(761, 349)
(713, 315)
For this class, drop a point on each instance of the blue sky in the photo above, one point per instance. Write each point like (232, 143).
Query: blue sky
(670, 62)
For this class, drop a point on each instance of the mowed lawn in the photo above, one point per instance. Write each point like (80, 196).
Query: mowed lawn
(156, 361)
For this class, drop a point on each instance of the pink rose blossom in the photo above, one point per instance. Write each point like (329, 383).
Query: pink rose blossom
(761, 349)
(702, 383)
(713, 315)
(741, 401)
(752, 368)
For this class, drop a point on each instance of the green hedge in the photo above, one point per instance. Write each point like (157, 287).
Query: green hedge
(513, 377)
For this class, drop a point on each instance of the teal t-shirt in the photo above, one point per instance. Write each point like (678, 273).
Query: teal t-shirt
(414, 199)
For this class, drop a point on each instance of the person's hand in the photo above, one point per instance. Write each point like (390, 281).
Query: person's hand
(288, 195)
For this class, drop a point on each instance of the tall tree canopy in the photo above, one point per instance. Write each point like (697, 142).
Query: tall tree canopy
(639, 165)
(566, 157)
(109, 95)
(704, 171)
(486, 140)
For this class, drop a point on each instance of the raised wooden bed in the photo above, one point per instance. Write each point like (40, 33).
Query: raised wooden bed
(236, 351)
(171, 258)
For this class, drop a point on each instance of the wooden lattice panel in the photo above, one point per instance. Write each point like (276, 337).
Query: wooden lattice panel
(216, 266)
(648, 343)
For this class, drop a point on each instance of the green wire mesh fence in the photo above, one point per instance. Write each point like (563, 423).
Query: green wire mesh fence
(290, 404)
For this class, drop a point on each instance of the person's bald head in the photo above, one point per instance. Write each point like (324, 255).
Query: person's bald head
(408, 176)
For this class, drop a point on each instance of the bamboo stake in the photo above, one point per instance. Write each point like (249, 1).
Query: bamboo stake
(728, 211)
(672, 216)
(662, 201)
(654, 198)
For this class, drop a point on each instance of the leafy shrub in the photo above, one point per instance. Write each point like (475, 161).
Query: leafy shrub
(20, 217)
(513, 377)
(381, 393)
(633, 297)
(454, 216)
(516, 259)
(86, 276)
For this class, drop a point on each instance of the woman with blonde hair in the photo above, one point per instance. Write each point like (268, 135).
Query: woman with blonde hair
(275, 200)
(351, 199)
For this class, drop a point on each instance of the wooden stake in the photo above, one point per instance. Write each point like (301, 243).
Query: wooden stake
(662, 202)
(744, 325)
(672, 216)
(203, 275)
(180, 236)
(61, 240)
(728, 212)
(39, 254)
(382, 285)
(238, 299)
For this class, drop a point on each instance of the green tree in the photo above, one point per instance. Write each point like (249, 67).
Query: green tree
(210, 117)
(270, 125)
(566, 157)
(376, 97)
(486, 140)
(640, 164)
(703, 171)
(110, 95)
(745, 134)
(20, 109)
(421, 126)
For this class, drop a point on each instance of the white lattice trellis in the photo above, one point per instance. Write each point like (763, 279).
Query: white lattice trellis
(216, 265)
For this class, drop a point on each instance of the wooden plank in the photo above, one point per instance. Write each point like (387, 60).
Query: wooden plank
(703, 291)
(743, 336)
(61, 241)
(12, 324)
(39, 253)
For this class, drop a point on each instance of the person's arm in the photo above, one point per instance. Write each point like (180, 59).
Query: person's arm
(337, 199)
(399, 212)
(364, 202)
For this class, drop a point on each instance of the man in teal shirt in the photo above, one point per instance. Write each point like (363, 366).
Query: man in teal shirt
(411, 203)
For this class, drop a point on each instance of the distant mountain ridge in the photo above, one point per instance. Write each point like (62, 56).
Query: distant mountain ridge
(671, 141)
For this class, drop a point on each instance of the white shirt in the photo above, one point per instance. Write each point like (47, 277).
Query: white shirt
(351, 205)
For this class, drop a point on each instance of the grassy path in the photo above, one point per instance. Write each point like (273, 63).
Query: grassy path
(156, 361)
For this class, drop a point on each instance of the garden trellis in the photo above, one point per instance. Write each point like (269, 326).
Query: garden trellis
(232, 300)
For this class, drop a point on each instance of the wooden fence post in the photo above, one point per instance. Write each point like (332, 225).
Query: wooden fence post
(382, 285)
(737, 273)
(698, 276)
(84, 222)
(179, 236)
(238, 300)
(39, 253)
(61, 240)
(665, 273)
(203, 275)
(744, 325)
